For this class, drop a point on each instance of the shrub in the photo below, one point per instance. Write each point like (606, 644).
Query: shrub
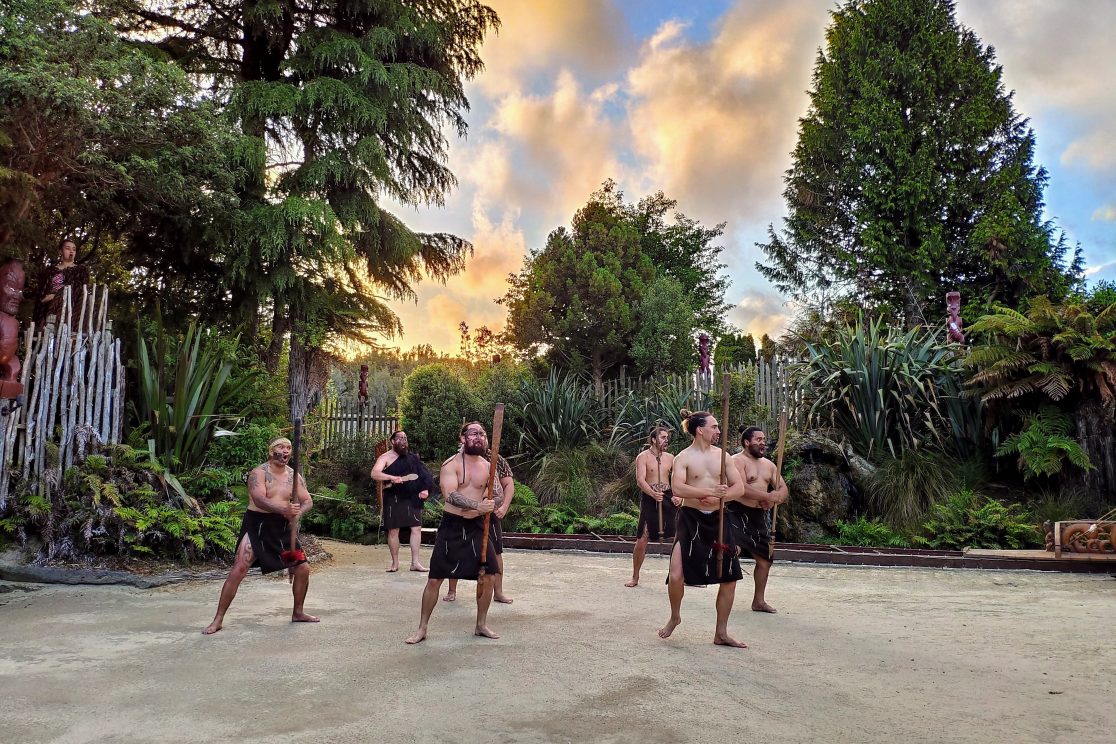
(336, 514)
(902, 489)
(869, 533)
(557, 415)
(1044, 444)
(971, 520)
(431, 406)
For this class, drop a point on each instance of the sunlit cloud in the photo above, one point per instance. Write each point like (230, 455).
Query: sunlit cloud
(761, 312)
(1106, 213)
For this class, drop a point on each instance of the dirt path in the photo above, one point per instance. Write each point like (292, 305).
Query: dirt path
(855, 655)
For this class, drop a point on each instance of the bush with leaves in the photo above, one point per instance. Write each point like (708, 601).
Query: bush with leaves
(902, 489)
(868, 533)
(558, 414)
(117, 504)
(972, 520)
(336, 514)
(1043, 445)
(433, 402)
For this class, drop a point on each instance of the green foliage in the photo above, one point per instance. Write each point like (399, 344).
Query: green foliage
(734, 348)
(115, 505)
(433, 401)
(868, 533)
(971, 520)
(181, 406)
(528, 515)
(557, 413)
(663, 340)
(100, 138)
(336, 514)
(903, 488)
(885, 390)
(243, 451)
(632, 416)
(913, 175)
(1044, 445)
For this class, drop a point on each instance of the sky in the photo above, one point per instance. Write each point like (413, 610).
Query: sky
(701, 99)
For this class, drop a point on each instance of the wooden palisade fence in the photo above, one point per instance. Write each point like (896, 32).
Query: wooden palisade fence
(340, 420)
(74, 382)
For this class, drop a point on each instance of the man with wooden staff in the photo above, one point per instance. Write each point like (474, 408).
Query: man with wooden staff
(265, 532)
(496, 529)
(702, 555)
(407, 485)
(763, 489)
(460, 544)
(657, 512)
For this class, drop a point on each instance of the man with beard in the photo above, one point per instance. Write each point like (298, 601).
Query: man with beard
(698, 549)
(496, 528)
(763, 489)
(265, 531)
(656, 509)
(407, 484)
(457, 548)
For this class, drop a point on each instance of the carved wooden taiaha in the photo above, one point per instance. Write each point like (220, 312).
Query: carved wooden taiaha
(778, 479)
(497, 428)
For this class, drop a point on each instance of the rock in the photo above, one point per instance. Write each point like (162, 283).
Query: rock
(820, 494)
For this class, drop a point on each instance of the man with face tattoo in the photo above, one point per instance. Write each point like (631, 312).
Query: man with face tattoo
(457, 547)
(265, 531)
(407, 484)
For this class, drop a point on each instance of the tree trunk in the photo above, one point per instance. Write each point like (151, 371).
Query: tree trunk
(298, 372)
(279, 325)
(1096, 433)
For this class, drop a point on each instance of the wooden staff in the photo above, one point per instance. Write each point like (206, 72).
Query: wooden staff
(726, 386)
(659, 483)
(497, 427)
(778, 480)
(293, 555)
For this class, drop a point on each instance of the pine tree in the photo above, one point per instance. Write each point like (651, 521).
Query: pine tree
(342, 101)
(913, 174)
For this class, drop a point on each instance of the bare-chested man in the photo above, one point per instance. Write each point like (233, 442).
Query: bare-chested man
(457, 547)
(265, 532)
(657, 512)
(748, 516)
(496, 528)
(698, 548)
(407, 485)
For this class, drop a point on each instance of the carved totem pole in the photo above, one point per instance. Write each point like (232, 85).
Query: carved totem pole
(12, 280)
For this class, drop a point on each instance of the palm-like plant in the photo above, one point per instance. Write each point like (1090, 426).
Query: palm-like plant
(1060, 353)
(886, 390)
(556, 414)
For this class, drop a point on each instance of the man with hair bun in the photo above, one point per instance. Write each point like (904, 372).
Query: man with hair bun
(265, 532)
(698, 547)
(652, 471)
(763, 488)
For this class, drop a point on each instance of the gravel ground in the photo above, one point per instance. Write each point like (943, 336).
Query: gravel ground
(854, 655)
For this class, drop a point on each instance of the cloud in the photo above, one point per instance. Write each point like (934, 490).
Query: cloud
(1059, 62)
(1094, 270)
(588, 36)
(1107, 213)
(715, 121)
(761, 312)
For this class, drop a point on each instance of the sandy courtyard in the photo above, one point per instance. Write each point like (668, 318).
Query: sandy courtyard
(855, 655)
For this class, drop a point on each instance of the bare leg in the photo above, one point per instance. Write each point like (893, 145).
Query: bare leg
(498, 592)
(416, 541)
(429, 600)
(638, 554)
(299, 586)
(763, 568)
(486, 584)
(725, 595)
(676, 589)
(393, 548)
(239, 570)
(451, 592)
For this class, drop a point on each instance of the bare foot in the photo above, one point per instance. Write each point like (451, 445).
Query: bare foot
(450, 597)
(724, 640)
(666, 630)
(302, 617)
(212, 628)
(418, 637)
(484, 631)
(418, 567)
(763, 607)
(503, 599)
(393, 569)
(633, 582)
